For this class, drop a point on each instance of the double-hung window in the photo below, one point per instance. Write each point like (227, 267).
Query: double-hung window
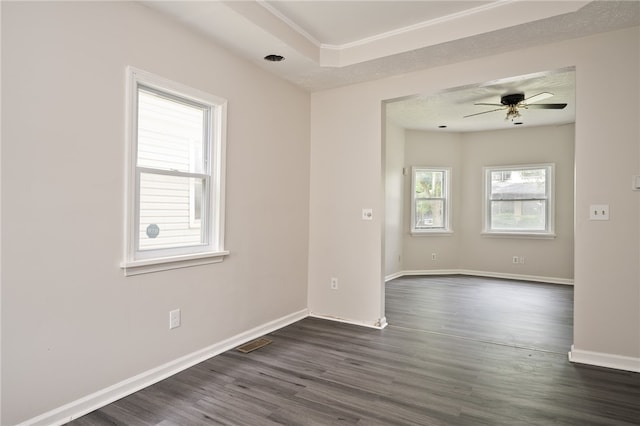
(519, 200)
(430, 200)
(175, 203)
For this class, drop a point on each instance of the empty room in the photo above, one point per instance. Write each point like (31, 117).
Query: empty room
(428, 209)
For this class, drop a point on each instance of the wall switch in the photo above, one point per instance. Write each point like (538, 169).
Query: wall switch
(334, 283)
(367, 214)
(434, 256)
(174, 319)
(599, 212)
(516, 259)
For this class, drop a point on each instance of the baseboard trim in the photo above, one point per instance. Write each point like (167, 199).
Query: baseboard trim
(519, 277)
(600, 359)
(378, 325)
(89, 403)
(393, 276)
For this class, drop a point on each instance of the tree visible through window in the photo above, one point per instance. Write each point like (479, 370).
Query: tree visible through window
(430, 199)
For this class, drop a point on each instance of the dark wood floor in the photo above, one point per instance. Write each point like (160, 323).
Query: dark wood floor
(528, 315)
(458, 351)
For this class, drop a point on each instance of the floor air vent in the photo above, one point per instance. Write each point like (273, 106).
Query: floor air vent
(252, 346)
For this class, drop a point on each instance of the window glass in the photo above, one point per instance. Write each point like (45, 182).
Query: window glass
(430, 203)
(176, 172)
(165, 206)
(171, 134)
(519, 199)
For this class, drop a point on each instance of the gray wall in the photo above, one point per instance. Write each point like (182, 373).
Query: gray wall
(345, 136)
(552, 258)
(72, 324)
(434, 149)
(466, 249)
(394, 198)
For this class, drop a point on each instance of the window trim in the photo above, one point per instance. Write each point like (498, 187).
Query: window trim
(549, 232)
(447, 229)
(171, 258)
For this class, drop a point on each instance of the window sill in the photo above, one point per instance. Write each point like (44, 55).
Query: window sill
(530, 235)
(137, 267)
(441, 233)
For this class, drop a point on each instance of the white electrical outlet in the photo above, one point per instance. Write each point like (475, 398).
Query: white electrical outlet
(334, 283)
(599, 212)
(522, 259)
(174, 319)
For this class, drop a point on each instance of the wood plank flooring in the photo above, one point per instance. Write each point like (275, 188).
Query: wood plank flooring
(458, 351)
(531, 315)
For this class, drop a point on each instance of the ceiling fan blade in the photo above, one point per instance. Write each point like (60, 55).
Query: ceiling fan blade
(537, 98)
(483, 112)
(482, 103)
(546, 106)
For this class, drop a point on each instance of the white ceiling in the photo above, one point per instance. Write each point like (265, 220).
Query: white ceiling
(339, 23)
(332, 43)
(449, 108)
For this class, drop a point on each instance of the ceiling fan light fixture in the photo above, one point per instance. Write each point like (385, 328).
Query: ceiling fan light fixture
(515, 101)
(512, 112)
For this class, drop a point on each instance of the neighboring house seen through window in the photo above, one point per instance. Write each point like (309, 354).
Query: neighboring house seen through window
(430, 200)
(519, 200)
(176, 177)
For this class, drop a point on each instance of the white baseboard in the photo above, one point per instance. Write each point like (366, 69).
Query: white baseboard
(82, 406)
(379, 324)
(519, 277)
(394, 276)
(600, 359)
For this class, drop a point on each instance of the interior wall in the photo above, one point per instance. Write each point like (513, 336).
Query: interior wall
(607, 302)
(346, 126)
(72, 323)
(433, 149)
(394, 197)
(544, 258)
(466, 249)
(341, 243)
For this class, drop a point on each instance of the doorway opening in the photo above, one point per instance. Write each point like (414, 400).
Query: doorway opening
(467, 130)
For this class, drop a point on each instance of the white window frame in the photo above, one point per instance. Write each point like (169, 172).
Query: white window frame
(549, 231)
(212, 250)
(446, 190)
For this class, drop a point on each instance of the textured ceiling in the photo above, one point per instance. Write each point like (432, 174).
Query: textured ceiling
(306, 32)
(449, 108)
(333, 43)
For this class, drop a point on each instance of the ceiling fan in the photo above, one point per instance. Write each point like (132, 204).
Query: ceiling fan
(515, 101)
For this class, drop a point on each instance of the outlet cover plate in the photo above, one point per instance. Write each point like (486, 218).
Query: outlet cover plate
(599, 212)
(174, 319)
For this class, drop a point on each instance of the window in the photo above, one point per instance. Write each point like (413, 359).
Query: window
(431, 205)
(519, 200)
(176, 175)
